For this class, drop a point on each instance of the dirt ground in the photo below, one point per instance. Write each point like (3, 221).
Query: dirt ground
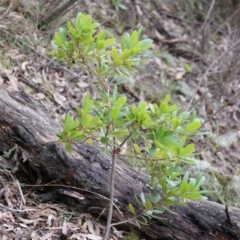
(195, 59)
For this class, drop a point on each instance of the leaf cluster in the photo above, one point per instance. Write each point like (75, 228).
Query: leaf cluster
(162, 129)
(81, 43)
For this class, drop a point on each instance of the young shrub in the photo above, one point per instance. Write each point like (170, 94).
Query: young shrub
(112, 122)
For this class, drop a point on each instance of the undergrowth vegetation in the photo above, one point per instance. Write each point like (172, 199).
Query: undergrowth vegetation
(163, 129)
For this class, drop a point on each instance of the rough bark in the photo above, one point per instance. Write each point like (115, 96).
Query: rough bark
(88, 168)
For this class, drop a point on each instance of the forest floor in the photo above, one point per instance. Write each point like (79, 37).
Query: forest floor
(193, 61)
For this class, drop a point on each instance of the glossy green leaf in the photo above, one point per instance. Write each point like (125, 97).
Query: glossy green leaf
(109, 42)
(58, 40)
(115, 113)
(140, 32)
(126, 54)
(86, 119)
(199, 181)
(114, 95)
(148, 205)
(146, 44)
(137, 149)
(100, 44)
(119, 133)
(167, 98)
(120, 101)
(133, 38)
(62, 34)
(193, 126)
(131, 208)
(187, 150)
(193, 196)
(163, 107)
(183, 187)
(142, 198)
(135, 133)
(101, 35)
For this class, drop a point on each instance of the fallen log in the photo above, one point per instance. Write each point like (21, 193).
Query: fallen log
(87, 167)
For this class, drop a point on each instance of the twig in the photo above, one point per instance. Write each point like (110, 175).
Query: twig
(228, 215)
(8, 10)
(207, 71)
(206, 21)
(227, 20)
(16, 210)
(112, 188)
(223, 106)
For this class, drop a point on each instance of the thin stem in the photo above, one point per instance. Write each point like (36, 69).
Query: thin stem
(110, 211)
(97, 75)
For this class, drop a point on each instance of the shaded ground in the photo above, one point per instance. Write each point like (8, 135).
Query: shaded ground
(193, 60)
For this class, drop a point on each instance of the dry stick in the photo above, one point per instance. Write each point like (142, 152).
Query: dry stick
(57, 12)
(221, 88)
(208, 15)
(227, 20)
(208, 69)
(205, 27)
(112, 188)
(8, 10)
(232, 99)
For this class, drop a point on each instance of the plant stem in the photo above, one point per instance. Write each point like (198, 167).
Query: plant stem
(110, 211)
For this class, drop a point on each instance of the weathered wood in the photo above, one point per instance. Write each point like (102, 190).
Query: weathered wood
(28, 126)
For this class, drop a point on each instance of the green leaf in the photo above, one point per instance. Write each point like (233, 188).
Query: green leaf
(71, 29)
(115, 57)
(168, 202)
(135, 133)
(142, 106)
(142, 198)
(193, 196)
(109, 42)
(100, 44)
(137, 149)
(131, 208)
(120, 101)
(154, 198)
(199, 181)
(119, 133)
(126, 54)
(183, 187)
(101, 35)
(86, 119)
(187, 150)
(187, 67)
(62, 34)
(163, 107)
(114, 95)
(167, 98)
(148, 205)
(145, 44)
(68, 147)
(133, 38)
(193, 126)
(186, 177)
(58, 40)
(140, 32)
(104, 140)
(115, 113)
(67, 120)
(72, 125)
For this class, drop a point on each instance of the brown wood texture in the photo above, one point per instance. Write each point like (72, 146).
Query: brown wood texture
(30, 127)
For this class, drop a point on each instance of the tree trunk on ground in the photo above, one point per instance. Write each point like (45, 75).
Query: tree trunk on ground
(28, 126)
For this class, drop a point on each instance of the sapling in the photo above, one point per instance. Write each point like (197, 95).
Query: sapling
(163, 130)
